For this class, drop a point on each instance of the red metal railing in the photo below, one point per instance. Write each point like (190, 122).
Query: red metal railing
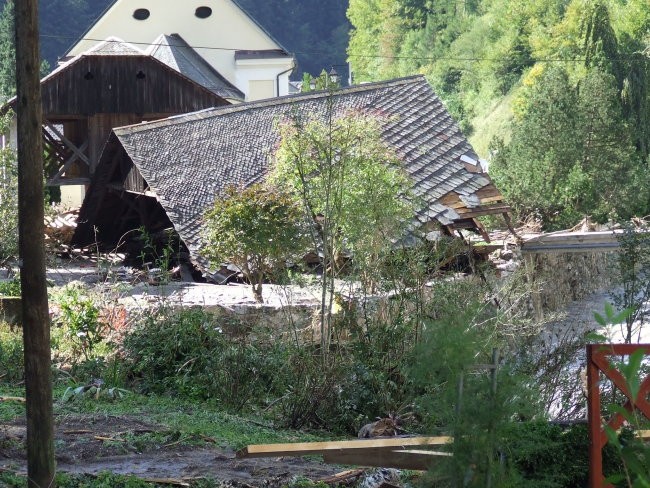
(597, 362)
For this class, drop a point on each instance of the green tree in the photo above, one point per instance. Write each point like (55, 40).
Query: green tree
(570, 154)
(534, 170)
(352, 190)
(613, 178)
(8, 198)
(7, 52)
(257, 229)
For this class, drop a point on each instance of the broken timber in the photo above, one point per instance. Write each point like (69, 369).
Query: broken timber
(393, 452)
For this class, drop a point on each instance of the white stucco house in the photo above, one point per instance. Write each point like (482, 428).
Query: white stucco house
(218, 31)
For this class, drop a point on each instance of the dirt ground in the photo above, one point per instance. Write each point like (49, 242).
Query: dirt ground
(92, 444)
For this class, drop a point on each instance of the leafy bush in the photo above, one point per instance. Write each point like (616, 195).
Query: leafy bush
(547, 455)
(186, 353)
(256, 228)
(10, 288)
(11, 355)
(79, 320)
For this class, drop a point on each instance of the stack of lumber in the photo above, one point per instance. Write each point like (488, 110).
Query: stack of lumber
(61, 227)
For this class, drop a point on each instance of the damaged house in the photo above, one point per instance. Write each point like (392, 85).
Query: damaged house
(167, 173)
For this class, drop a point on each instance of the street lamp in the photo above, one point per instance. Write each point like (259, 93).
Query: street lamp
(333, 76)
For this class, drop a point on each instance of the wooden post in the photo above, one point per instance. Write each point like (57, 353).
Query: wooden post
(36, 322)
(493, 393)
(593, 412)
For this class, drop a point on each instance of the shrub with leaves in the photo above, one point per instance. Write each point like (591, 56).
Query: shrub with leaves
(11, 355)
(8, 199)
(10, 288)
(79, 318)
(257, 228)
(186, 353)
(352, 190)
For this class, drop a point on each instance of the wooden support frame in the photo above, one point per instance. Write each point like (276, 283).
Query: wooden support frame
(598, 362)
(64, 152)
(68, 144)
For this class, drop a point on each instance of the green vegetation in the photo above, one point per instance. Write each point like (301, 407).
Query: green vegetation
(352, 192)
(208, 380)
(554, 92)
(257, 229)
(8, 194)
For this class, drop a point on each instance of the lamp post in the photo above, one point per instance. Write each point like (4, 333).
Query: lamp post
(333, 76)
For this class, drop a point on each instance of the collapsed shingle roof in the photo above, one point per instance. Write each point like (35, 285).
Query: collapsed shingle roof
(177, 54)
(189, 160)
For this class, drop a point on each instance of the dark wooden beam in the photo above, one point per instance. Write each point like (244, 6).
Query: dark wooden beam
(31, 232)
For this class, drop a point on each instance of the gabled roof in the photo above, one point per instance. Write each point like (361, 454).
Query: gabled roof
(189, 160)
(176, 53)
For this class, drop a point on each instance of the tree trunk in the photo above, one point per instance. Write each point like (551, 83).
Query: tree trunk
(36, 322)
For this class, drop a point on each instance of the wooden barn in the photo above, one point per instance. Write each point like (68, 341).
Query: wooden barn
(112, 85)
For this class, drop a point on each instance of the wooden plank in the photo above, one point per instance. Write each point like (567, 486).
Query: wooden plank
(498, 198)
(307, 448)
(488, 191)
(482, 231)
(386, 458)
(68, 181)
(479, 211)
(449, 199)
(643, 434)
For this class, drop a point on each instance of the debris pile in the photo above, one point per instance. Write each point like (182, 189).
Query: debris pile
(60, 228)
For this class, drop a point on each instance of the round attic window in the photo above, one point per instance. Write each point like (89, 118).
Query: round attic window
(203, 12)
(141, 14)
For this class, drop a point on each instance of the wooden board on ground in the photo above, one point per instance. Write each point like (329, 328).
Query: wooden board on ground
(319, 448)
(392, 452)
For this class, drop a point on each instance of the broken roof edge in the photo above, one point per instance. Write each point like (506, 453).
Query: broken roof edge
(268, 102)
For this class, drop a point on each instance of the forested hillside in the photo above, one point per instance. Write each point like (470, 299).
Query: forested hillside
(316, 31)
(554, 92)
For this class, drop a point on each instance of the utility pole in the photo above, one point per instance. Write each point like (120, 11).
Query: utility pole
(36, 321)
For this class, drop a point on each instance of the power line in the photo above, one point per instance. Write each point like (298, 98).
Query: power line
(367, 56)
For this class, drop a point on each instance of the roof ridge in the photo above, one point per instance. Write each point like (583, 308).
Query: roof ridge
(111, 41)
(178, 46)
(269, 102)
